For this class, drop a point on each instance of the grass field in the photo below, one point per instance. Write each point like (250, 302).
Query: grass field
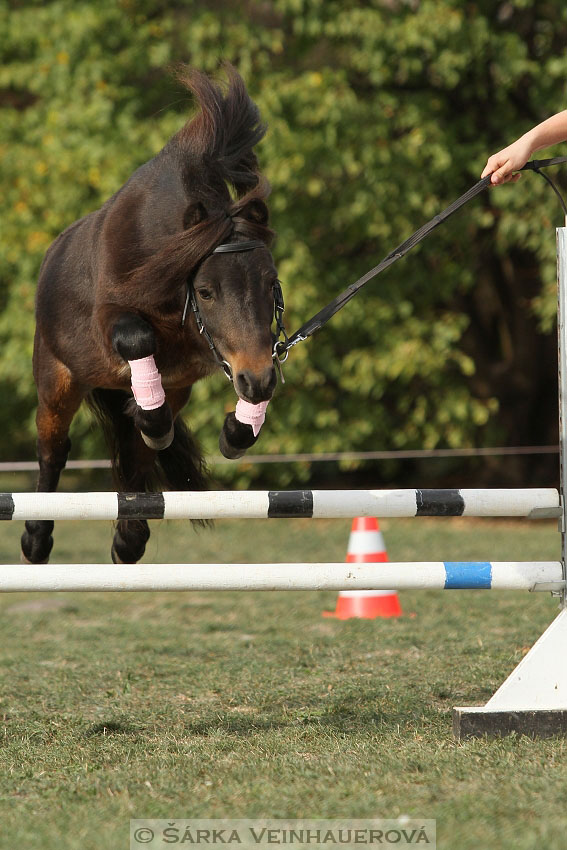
(253, 705)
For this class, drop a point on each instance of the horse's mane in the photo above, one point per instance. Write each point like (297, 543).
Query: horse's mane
(223, 134)
(221, 172)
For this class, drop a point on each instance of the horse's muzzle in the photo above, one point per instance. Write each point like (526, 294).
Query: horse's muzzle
(256, 387)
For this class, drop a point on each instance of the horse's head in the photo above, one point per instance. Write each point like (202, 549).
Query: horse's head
(233, 296)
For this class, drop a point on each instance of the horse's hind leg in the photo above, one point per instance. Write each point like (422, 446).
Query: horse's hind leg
(59, 400)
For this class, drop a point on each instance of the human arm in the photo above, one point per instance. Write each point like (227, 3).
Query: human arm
(502, 164)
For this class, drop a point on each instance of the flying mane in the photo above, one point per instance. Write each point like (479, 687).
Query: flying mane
(215, 152)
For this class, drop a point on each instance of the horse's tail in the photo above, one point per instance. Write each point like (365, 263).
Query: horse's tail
(227, 128)
(179, 467)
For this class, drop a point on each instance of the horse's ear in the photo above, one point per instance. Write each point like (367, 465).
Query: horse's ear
(194, 214)
(255, 211)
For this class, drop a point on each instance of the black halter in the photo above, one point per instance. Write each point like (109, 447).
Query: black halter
(191, 299)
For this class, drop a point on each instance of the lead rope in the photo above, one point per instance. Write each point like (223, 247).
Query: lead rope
(281, 349)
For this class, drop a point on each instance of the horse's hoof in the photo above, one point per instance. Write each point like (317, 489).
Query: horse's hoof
(227, 450)
(24, 560)
(159, 443)
(114, 556)
(235, 438)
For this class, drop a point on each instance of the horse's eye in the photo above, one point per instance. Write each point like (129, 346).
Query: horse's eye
(205, 294)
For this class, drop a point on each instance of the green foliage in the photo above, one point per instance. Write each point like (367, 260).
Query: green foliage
(380, 114)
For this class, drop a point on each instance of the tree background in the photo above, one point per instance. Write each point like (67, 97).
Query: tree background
(380, 114)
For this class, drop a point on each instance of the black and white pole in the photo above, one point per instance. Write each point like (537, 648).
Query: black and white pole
(533, 503)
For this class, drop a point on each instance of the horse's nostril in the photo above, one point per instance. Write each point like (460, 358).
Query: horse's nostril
(243, 384)
(256, 388)
(272, 379)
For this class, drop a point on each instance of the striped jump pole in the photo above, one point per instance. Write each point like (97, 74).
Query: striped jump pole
(533, 503)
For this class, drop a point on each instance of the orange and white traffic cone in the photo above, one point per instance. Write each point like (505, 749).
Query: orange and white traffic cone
(366, 545)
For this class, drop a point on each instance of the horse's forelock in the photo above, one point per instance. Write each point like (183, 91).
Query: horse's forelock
(181, 254)
(178, 256)
(253, 230)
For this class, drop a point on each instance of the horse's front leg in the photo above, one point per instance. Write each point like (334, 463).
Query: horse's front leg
(134, 340)
(59, 400)
(236, 437)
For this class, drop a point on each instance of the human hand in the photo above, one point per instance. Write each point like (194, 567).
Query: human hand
(502, 164)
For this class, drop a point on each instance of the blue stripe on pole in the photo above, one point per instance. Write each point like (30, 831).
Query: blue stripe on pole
(467, 575)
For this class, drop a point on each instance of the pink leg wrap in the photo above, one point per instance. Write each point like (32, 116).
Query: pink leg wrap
(251, 414)
(146, 383)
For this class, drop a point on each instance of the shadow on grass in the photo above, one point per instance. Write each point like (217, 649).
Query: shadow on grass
(340, 719)
(113, 727)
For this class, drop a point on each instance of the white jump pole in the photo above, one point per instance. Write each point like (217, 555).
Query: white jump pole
(417, 575)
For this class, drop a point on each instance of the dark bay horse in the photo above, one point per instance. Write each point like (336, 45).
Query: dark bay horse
(189, 229)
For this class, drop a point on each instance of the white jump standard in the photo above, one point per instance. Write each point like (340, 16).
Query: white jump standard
(533, 699)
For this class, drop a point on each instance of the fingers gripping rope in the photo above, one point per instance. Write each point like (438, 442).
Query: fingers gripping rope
(146, 383)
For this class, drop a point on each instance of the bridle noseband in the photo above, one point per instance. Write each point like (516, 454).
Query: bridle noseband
(279, 307)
